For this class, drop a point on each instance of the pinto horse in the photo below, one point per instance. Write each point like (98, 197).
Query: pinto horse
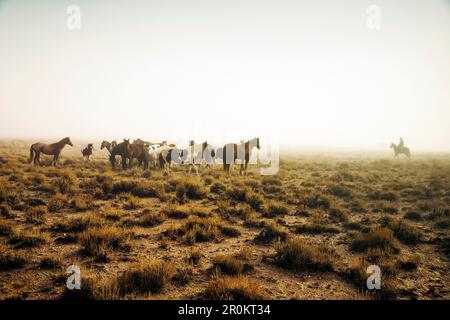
(53, 149)
(87, 152)
(108, 145)
(232, 152)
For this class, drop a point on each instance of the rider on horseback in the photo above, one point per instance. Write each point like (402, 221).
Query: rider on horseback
(401, 144)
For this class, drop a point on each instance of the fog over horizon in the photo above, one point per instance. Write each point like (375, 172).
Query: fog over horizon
(301, 74)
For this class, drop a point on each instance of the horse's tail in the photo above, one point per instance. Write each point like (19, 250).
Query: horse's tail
(31, 154)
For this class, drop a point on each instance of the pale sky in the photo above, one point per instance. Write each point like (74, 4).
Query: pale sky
(308, 74)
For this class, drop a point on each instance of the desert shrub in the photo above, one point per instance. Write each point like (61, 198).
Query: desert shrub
(183, 275)
(28, 238)
(274, 209)
(36, 214)
(10, 261)
(6, 211)
(6, 227)
(98, 241)
(57, 202)
(340, 191)
(132, 202)
(65, 183)
(254, 200)
(200, 232)
(299, 255)
(191, 188)
(81, 202)
(150, 189)
(50, 263)
(230, 264)
(315, 201)
(271, 232)
(442, 222)
(238, 193)
(229, 231)
(195, 256)
(382, 238)
(413, 215)
(404, 231)
(150, 219)
(337, 214)
(218, 188)
(382, 195)
(235, 288)
(150, 276)
(177, 211)
(123, 186)
(314, 228)
(438, 213)
(36, 179)
(89, 220)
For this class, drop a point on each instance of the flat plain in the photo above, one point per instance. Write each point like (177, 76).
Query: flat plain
(309, 232)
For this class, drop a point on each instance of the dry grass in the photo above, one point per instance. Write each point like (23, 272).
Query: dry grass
(299, 255)
(150, 276)
(235, 288)
(381, 238)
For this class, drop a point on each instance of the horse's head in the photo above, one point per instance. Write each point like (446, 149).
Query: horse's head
(67, 141)
(126, 141)
(104, 144)
(91, 146)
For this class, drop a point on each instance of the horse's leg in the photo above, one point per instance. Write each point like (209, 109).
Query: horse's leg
(37, 158)
(124, 162)
(55, 159)
(245, 167)
(240, 169)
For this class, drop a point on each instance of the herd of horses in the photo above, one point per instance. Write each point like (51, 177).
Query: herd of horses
(158, 155)
(162, 154)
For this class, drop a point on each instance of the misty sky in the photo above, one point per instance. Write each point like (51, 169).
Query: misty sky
(305, 74)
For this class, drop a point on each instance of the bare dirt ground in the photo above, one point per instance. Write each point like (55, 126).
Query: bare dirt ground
(308, 232)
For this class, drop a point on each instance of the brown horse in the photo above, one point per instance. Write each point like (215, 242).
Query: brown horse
(123, 149)
(232, 152)
(138, 151)
(87, 152)
(53, 149)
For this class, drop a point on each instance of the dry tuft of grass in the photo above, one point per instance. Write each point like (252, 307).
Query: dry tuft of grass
(271, 232)
(299, 255)
(235, 288)
(381, 238)
(404, 231)
(36, 215)
(150, 276)
(11, 260)
(98, 242)
(150, 219)
(28, 238)
(230, 264)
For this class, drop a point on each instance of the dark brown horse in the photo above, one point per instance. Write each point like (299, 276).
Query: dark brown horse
(53, 149)
(87, 152)
(123, 150)
(232, 152)
(138, 151)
